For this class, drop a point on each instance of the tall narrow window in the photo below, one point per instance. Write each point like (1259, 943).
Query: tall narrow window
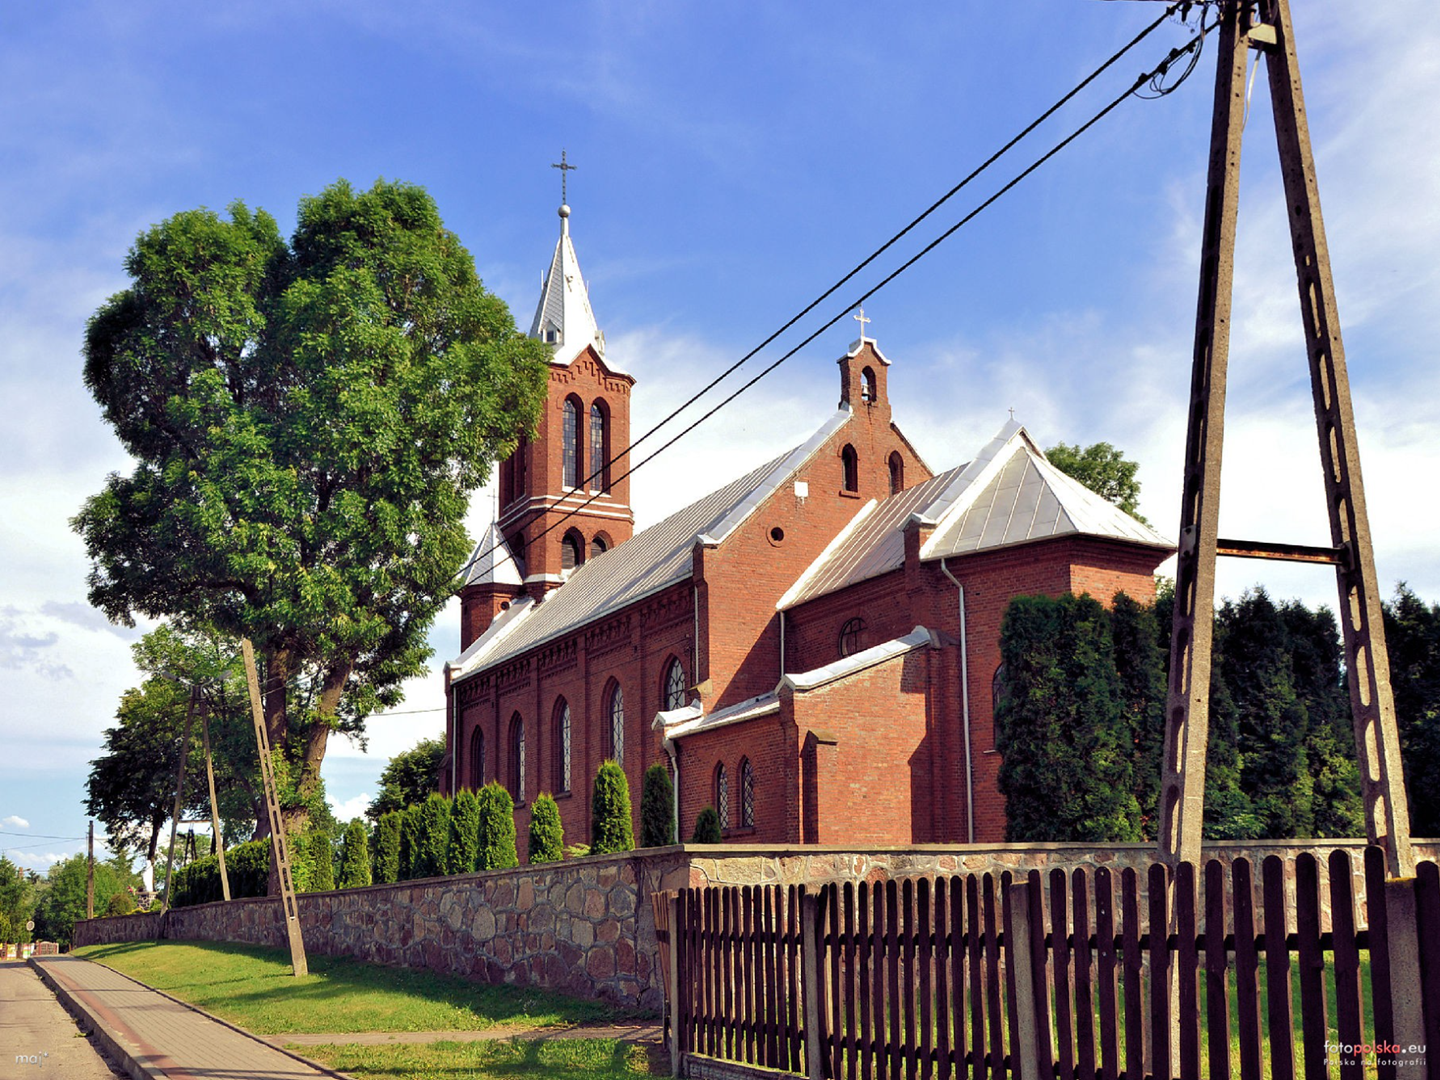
(850, 463)
(562, 746)
(599, 449)
(571, 549)
(517, 759)
(747, 794)
(722, 795)
(617, 724)
(522, 451)
(477, 759)
(674, 685)
(570, 446)
(897, 473)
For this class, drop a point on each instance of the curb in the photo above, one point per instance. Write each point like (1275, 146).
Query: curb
(117, 1053)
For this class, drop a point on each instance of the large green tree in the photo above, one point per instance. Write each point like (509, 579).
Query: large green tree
(1412, 633)
(408, 778)
(1104, 470)
(307, 421)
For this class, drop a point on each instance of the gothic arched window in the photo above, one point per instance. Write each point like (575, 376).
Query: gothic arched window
(599, 448)
(997, 690)
(722, 795)
(615, 711)
(674, 691)
(562, 745)
(599, 545)
(747, 794)
(572, 551)
(570, 445)
(477, 759)
(852, 637)
(897, 473)
(517, 759)
(850, 463)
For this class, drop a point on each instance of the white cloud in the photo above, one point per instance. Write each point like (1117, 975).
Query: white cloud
(353, 807)
(15, 822)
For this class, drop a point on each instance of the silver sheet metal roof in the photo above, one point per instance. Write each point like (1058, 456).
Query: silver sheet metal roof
(646, 563)
(1010, 494)
(493, 563)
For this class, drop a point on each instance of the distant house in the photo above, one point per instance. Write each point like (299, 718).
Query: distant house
(811, 649)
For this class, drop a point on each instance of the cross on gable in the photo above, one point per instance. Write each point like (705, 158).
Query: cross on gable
(564, 167)
(859, 317)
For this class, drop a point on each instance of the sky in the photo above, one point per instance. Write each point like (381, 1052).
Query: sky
(733, 161)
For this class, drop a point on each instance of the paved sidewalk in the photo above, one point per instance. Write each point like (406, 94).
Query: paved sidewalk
(630, 1033)
(152, 1035)
(38, 1038)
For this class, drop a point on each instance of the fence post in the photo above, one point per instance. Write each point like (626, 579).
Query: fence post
(677, 1005)
(1024, 982)
(810, 983)
(1403, 938)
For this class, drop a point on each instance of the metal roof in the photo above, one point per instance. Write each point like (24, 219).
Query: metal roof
(493, 562)
(564, 307)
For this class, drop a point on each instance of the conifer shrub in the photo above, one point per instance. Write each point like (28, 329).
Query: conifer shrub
(247, 866)
(610, 828)
(434, 851)
(354, 856)
(657, 808)
(386, 869)
(322, 861)
(547, 836)
(122, 903)
(464, 833)
(496, 835)
(707, 827)
(411, 843)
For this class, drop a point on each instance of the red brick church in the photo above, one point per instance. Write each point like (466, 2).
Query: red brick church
(811, 649)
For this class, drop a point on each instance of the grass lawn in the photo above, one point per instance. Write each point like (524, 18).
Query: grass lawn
(567, 1059)
(253, 987)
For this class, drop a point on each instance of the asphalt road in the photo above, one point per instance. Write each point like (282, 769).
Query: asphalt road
(38, 1038)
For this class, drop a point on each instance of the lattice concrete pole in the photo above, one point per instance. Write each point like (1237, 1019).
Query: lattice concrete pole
(1187, 714)
(1367, 666)
(214, 807)
(279, 845)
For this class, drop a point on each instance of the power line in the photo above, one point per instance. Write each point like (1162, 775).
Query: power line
(1158, 71)
(39, 836)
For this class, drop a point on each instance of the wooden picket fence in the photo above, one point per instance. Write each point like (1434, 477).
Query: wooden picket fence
(1056, 976)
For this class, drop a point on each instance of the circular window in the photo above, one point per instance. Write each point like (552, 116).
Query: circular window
(777, 535)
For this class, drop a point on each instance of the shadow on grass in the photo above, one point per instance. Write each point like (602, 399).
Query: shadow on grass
(253, 980)
(575, 1059)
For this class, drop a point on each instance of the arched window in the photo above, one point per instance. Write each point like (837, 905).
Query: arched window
(599, 448)
(747, 794)
(852, 637)
(867, 385)
(998, 691)
(897, 473)
(477, 759)
(599, 545)
(722, 795)
(572, 549)
(570, 446)
(615, 711)
(674, 691)
(517, 759)
(850, 462)
(562, 745)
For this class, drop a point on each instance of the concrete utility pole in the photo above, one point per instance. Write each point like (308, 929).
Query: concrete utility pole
(214, 809)
(90, 872)
(175, 813)
(1265, 26)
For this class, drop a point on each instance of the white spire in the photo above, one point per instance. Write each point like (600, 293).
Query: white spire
(563, 316)
(494, 563)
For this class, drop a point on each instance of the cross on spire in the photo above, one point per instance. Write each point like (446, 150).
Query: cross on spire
(564, 167)
(859, 317)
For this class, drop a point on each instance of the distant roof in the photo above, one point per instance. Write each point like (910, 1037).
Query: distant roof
(493, 562)
(1010, 494)
(563, 316)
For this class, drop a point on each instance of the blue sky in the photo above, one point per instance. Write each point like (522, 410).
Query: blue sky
(734, 160)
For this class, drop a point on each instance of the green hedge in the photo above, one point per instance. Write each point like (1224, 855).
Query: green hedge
(610, 828)
(247, 865)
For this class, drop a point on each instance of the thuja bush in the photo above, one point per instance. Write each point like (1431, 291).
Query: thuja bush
(610, 828)
(434, 851)
(411, 843)
(386, 868)
(547, 836)
(657, 808)
(322, 862)
(707, 827)
(247, 866)
(354, 856)
(464, 833)
(497, 829)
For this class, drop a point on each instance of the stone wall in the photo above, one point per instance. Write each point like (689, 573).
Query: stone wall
(586, 927)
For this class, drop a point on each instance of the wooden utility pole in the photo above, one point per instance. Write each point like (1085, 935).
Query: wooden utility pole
(214, 809)
(1265, 26)
(90, 872)
(279, 846)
